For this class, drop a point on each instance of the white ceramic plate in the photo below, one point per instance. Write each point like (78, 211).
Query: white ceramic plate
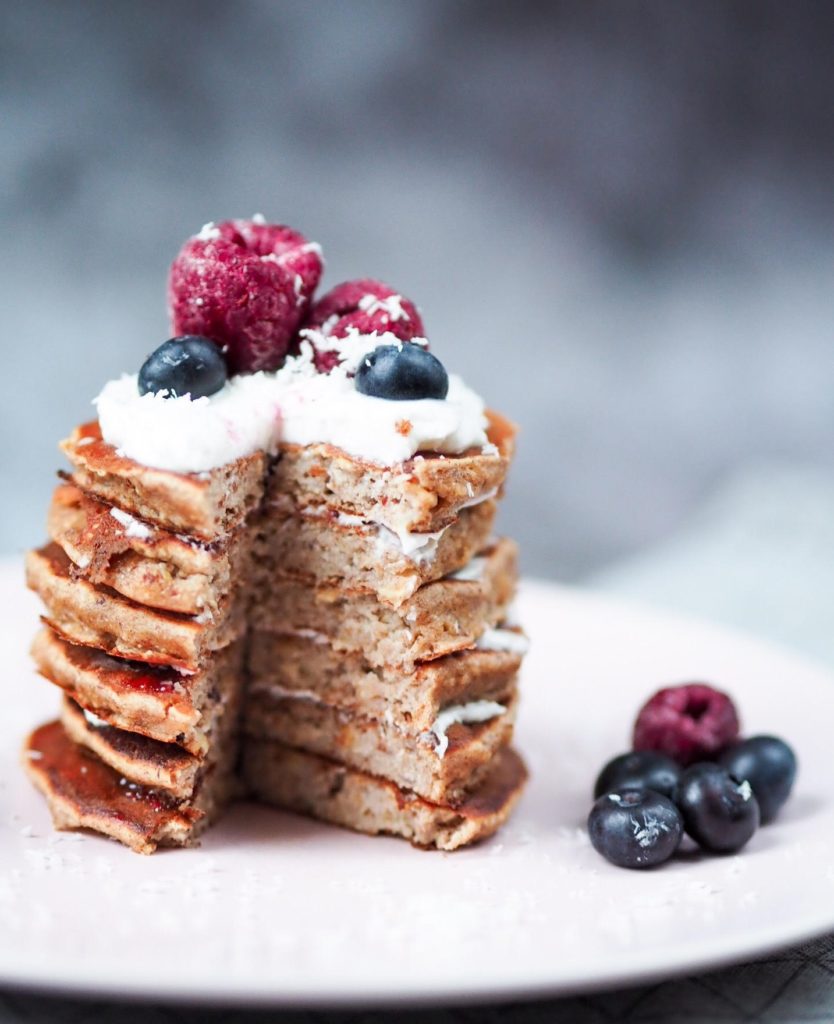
(280, 910)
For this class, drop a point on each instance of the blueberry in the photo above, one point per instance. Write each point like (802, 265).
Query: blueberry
(719, 811)
(635, 828)
(402, 372)
(188, 365)
(769, 765)
(641, 769)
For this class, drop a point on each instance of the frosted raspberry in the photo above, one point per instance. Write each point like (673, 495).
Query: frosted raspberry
(247, 285)
(687, 723)
(366, 306)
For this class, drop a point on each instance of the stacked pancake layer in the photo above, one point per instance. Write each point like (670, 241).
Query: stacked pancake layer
(325, 633)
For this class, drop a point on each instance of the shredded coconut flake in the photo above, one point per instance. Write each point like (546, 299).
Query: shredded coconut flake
(392, 306)
(648, 831)
(208, 232)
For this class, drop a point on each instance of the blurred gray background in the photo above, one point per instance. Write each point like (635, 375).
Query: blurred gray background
(616, 218)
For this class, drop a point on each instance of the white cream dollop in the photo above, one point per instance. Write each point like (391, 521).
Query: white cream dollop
(185, 435)
(296, 405)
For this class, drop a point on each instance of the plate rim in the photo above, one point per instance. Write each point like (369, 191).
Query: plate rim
(245, 997)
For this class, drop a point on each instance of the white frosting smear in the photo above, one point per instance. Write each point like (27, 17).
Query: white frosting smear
(133, 527)
(472, 571)
(503, 640)
(296, 405)
(475, 711)
(419, 548)
(94, 720)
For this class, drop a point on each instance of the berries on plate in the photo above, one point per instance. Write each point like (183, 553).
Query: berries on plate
(639, 769)
(188, 365)
(401, 373)
(635, 828)
(688, 723)
(720, 812)
(246, 284)
(769, 765)
(687, 752)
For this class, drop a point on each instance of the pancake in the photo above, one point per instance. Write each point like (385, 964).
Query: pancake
(154, 701)
(423, 494)
(162, 766)
(307, 784)
(441, 617)
(204, 505)
(408, 701)
(364, 558)
(99, 617)
(83, 793)
(410, 760)
(143, 562)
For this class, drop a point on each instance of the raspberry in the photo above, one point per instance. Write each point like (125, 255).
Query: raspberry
(366, 306)
(688, 723)
(246, 285)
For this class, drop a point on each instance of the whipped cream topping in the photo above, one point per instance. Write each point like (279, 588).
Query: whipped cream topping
(185, 435)
(468, 714)
(296, 405)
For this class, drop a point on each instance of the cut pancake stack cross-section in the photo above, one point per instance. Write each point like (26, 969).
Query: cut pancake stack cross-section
(382, 687)
(320, 632)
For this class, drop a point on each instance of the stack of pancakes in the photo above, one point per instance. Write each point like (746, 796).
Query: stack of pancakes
(324, 634)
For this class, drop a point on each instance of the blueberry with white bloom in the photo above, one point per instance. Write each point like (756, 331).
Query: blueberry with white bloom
(635, 828)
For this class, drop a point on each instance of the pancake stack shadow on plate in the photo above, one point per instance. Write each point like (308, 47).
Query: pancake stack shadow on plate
(321, 633)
